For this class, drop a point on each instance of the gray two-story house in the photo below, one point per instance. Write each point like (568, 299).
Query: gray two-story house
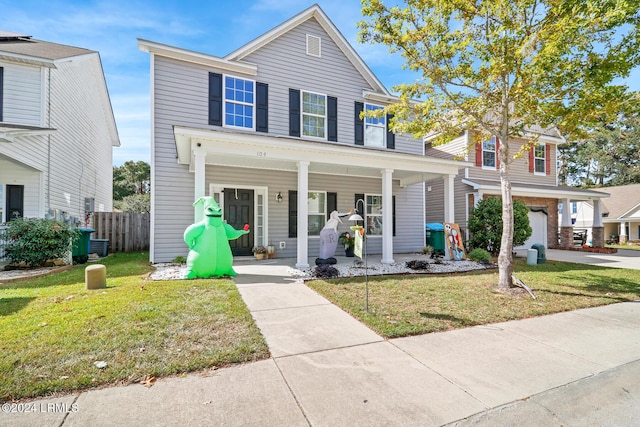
(274, 132)
(534, 181)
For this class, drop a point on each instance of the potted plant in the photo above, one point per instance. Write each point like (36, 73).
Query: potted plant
(348, 241)
(259, 251)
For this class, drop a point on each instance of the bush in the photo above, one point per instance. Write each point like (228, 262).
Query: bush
(485, 224)
(33, 241)
(427, 250)
(325, 271)
(479, 255)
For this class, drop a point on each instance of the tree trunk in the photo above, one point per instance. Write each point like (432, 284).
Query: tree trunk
(505, 258)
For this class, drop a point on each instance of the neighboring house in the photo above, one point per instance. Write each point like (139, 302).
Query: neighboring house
(533, 181)
(274, 132)
(57, 131)
(620, 213)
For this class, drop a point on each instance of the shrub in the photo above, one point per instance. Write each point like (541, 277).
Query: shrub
(485, 224)
(33, 241)
(427, 250)
(480, 255)
(417, 265)
(325, 271)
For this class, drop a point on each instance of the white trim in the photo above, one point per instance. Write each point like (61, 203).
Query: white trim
(544, 159)
(302, 114)
(387, 216)
(234, 102)
(302, 239)
(384, 127)
(152, 180)
(217, 187)
(550, 192)
(196, 58)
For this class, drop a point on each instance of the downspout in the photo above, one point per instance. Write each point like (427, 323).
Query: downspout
(48, 198)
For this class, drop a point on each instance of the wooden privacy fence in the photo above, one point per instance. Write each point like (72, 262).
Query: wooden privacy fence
(127, 232)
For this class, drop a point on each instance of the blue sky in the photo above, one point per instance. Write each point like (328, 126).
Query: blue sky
(215, 27)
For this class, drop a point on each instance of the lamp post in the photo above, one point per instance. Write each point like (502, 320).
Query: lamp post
(356, 217)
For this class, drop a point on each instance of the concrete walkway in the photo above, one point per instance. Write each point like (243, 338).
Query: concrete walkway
(624, 258)
(327, 369)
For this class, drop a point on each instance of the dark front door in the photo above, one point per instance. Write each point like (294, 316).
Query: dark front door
(238, 211)
(15, 202)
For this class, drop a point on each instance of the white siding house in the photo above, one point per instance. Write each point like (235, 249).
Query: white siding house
(274, 132)
(57, 131)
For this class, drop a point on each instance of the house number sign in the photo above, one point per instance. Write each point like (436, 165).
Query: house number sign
(261, 154)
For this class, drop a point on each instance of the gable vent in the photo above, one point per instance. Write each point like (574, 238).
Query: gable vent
(313, 45)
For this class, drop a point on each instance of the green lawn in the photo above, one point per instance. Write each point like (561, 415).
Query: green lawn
(418, 304)
(53, 330)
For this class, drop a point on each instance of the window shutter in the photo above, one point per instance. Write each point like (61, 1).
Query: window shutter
(332, 118)
(359, 124)
(293, 213)
(479, 154)
(215, 99)
(532, 165)
(262, 107)
(294, 112)
(497, 153)
(332, 203)
(391, 137)
(547, 158)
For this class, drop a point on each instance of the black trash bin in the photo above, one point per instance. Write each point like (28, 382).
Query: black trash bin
(542, 258)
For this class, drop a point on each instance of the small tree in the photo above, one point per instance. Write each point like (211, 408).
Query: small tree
(34, 241)
(485, 224)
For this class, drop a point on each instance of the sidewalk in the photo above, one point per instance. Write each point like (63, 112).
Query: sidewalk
(328, 369)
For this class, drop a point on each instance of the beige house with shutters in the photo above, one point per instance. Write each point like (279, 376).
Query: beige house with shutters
(534, 180)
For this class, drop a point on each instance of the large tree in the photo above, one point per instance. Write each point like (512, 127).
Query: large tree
(504, 67)
(611, 156)
(131, 178)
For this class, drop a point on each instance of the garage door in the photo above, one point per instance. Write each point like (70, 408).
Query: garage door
(538, 222)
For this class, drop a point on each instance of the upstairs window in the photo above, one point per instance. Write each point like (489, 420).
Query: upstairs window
(239, 102)
(314, 115)
(375, 128)
(489, 153)
(539, 159)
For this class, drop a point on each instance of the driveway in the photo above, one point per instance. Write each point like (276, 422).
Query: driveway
(623, 259)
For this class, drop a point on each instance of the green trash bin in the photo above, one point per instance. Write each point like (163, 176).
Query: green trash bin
(435, 237)
(80, 253)
(542, 258)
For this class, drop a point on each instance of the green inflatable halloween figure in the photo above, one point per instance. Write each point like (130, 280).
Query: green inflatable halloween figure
(208, 241)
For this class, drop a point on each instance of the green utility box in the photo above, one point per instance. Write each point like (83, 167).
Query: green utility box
(80, 251)
(435, 237)
(542, 258)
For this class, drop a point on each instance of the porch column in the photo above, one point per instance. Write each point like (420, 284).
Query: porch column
(199, 155)
(387, 216)
(623, 232)
(597, 230)
(449, 201)
(566, 229)
(303, 215)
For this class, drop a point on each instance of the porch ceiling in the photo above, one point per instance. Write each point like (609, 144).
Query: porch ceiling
(282, 153)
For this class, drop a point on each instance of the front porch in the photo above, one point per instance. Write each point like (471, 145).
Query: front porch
(298, 168)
